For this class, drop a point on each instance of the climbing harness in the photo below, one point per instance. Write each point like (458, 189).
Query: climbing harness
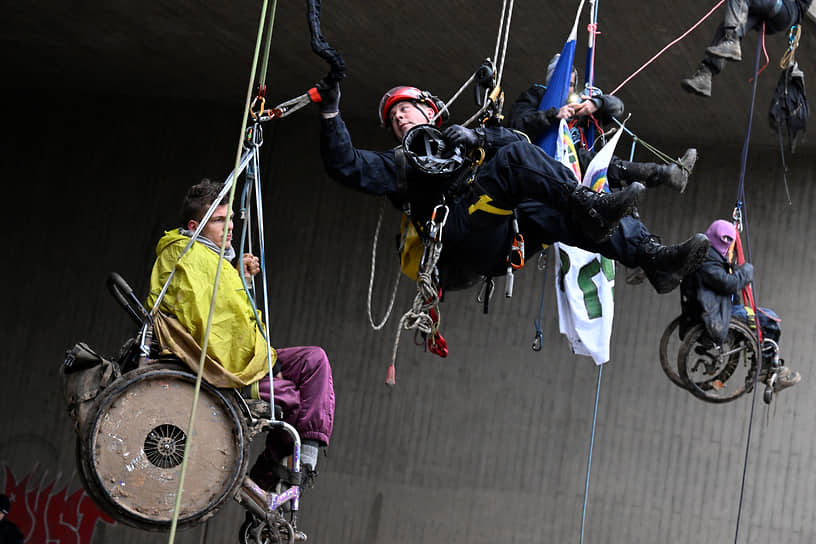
(427, 151)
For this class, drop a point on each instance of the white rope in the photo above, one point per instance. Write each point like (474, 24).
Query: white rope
(378, 326)
(504, 45)
(426, 298)
(501, 25)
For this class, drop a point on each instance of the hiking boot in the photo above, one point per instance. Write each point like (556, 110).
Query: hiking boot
(785, 377)
(666, 266)
(598, 214)
(308, 476)
(728, 47)
(685, 164)
(700, 82)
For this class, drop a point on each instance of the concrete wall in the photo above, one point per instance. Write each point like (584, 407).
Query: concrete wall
(488, 445)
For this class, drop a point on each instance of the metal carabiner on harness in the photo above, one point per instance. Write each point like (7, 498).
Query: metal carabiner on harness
(436, 224)
(515, 258)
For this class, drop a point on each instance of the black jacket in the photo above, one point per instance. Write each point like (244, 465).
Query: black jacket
(526, 117)
(480, 249)
(9, 533)
(707, 294)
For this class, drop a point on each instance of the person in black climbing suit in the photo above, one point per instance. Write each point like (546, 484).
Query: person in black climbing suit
(9, 532)
(578, 112)
(740, 17)
(710, 294)
(516, 175)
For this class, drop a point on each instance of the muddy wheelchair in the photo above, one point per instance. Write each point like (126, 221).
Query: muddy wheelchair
(719, 373)
(132, 417)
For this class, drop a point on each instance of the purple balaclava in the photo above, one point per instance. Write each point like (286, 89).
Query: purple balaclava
(717, 232)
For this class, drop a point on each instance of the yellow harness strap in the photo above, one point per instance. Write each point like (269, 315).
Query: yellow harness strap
(483, 204)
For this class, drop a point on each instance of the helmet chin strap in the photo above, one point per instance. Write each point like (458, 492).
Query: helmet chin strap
(425, 115)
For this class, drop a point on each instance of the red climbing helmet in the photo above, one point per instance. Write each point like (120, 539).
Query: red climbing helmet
(401, 93)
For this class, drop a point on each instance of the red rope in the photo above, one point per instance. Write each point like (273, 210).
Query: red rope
(625, 81)
(747, 291)
(765, 51)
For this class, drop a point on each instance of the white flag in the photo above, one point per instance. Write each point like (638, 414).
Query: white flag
(585, 281)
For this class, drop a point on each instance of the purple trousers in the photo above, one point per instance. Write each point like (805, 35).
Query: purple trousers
(305, 392)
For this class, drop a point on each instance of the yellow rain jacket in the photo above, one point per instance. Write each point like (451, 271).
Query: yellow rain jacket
(236, 349)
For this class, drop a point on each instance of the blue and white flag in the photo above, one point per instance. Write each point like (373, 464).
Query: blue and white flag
(558, 88)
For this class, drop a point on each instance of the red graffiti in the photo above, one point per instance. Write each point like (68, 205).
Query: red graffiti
(53, 518)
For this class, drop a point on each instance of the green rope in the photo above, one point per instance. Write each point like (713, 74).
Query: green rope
(655, 151)
(265, 62)
(188, 444)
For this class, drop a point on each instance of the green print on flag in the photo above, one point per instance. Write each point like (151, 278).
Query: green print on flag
(591, 301)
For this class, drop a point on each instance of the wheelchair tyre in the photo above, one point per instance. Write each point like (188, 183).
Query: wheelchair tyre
(669, 350)
(132, 446)
(716, 375)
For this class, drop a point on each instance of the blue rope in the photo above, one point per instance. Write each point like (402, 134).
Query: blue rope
(591, 446)
(539, 335)
(740, 206)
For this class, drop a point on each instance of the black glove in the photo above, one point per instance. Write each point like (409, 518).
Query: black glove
(329, 96)
(748, 271)
(459, 135)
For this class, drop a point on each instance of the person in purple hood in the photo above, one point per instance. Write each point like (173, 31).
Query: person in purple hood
(710, 294)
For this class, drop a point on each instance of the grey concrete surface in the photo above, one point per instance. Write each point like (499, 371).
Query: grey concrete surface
(105, 125)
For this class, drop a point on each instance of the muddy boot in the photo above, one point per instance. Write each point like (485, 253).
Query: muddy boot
(598, 214)
(654, 175)
(686, 163)
(700, 82)
(728, 47)
(785, 377)
(666, 266)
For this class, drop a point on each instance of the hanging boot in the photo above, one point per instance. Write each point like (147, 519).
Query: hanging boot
(598, 214)
(654, 175)
(666, 266)
(686, 164)
(700, 82)
(728, 47)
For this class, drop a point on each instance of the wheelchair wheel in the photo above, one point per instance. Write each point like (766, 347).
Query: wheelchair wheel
(669, 350)
(719, 373)
(132, 446)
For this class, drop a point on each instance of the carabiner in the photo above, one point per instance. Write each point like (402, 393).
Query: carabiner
(435, 224)
(736, 215)
(516, 257)
(538, 341)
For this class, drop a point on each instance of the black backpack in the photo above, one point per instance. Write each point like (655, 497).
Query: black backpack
(789, 108)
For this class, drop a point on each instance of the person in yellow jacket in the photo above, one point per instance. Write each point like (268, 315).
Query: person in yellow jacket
(236, 347)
